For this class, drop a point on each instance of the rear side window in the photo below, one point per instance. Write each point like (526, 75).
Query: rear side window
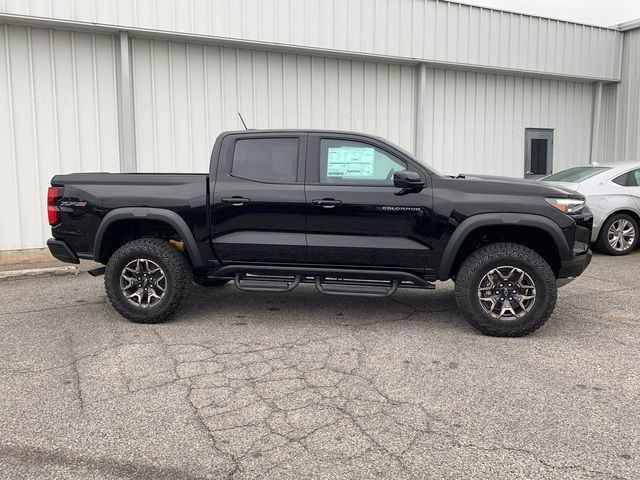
(629, 179)
(348, 162)
(272, 160)
(575, 174)
(621, 180)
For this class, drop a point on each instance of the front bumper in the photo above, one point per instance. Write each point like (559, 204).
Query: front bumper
(62, 251)
(574, 266)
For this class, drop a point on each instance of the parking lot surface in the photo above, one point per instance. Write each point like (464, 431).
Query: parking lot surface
(302, 385)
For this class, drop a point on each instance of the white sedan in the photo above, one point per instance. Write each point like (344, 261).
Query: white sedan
(613, 195)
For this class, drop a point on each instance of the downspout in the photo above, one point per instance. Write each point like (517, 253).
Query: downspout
(595, 123)
(420, 149)
(125, 97)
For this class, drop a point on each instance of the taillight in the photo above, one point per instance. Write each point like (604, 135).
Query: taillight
(53, 211)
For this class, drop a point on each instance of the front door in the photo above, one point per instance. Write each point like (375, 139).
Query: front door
(538, 160)
(355, 216)
(258, 204)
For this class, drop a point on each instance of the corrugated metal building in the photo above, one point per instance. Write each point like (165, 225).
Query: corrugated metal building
(146, 85)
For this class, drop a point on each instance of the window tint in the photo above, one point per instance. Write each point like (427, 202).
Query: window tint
(621, 180)
(629, 179)
(575, 174)
(272, 160)
(347, 162)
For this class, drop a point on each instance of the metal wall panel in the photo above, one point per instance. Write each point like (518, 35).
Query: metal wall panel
(59, 114)
(426, 30)
(186, 94)
(607, 141)
(475, 122)
(628, 107)
(619, 128)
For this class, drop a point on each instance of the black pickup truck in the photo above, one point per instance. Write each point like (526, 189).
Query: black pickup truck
(351, 213)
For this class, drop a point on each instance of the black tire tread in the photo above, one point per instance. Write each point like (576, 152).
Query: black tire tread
(176, 263)
(477, 261)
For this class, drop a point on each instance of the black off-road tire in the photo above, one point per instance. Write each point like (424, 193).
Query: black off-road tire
(602, 243)
(175, 266)
(494, 255)
(210, 282)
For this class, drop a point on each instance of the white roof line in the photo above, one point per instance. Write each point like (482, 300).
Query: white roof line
(630, 25)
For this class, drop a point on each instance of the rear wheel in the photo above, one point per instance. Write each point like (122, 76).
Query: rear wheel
(147, 280)
(618, 235)
(506, 290)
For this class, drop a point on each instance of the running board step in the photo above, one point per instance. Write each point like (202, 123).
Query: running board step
(258, 283)
(363, 289)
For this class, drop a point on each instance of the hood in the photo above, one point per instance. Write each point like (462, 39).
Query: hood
(519, 186)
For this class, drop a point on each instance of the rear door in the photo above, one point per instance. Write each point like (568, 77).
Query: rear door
(258, 205)
(355, 216)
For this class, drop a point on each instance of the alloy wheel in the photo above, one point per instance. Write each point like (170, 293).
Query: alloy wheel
(621, 235)
(143, 283)
(507, 293)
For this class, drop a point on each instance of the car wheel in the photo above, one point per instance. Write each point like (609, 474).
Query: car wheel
(147, 280)
(506, 290)
(618, 235)
(210, 282)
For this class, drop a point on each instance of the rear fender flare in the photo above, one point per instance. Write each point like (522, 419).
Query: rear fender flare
(167, 216)
(498, 219)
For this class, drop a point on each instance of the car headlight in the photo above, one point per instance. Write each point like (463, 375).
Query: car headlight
(570, 206)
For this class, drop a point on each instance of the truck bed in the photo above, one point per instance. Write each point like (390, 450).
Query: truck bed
(88, 197)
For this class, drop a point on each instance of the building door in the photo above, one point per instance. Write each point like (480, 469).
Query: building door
(538, 160)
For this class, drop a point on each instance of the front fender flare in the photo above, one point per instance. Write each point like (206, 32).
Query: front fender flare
(498, 219)
(168, 216)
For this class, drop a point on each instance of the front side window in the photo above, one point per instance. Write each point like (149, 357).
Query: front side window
(349, 162)
(272, 160)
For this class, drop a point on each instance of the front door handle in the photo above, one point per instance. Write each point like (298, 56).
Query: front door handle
(326, 202)
(236, 201)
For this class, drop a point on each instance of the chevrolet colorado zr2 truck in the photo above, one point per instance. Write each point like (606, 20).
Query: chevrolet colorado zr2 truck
(351, 213)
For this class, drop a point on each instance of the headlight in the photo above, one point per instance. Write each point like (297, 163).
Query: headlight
(569, 206)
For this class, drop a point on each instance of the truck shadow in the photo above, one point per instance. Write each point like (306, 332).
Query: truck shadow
(306, 305)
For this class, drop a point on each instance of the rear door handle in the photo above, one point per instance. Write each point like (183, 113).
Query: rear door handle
(326, 202)
(236, 201)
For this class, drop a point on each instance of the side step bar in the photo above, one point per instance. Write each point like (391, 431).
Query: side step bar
(364, 289)
(266, 284)
(332, 281)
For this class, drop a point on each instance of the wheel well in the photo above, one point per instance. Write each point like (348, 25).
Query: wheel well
(631, 213)
(124, 231)
(534, 238)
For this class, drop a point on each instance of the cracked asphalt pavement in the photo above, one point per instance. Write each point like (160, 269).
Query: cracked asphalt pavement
(300, 385)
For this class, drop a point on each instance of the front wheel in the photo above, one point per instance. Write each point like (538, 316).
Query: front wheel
(618, 235)
(147, 280)
(506, 290)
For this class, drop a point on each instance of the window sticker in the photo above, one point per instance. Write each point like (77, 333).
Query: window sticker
(353, 162)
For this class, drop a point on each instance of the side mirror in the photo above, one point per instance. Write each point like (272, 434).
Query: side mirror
(406, 179)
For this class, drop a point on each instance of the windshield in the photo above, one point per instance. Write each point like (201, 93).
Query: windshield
(575, 174)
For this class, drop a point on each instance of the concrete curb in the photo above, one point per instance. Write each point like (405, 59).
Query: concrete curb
(40, 272)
